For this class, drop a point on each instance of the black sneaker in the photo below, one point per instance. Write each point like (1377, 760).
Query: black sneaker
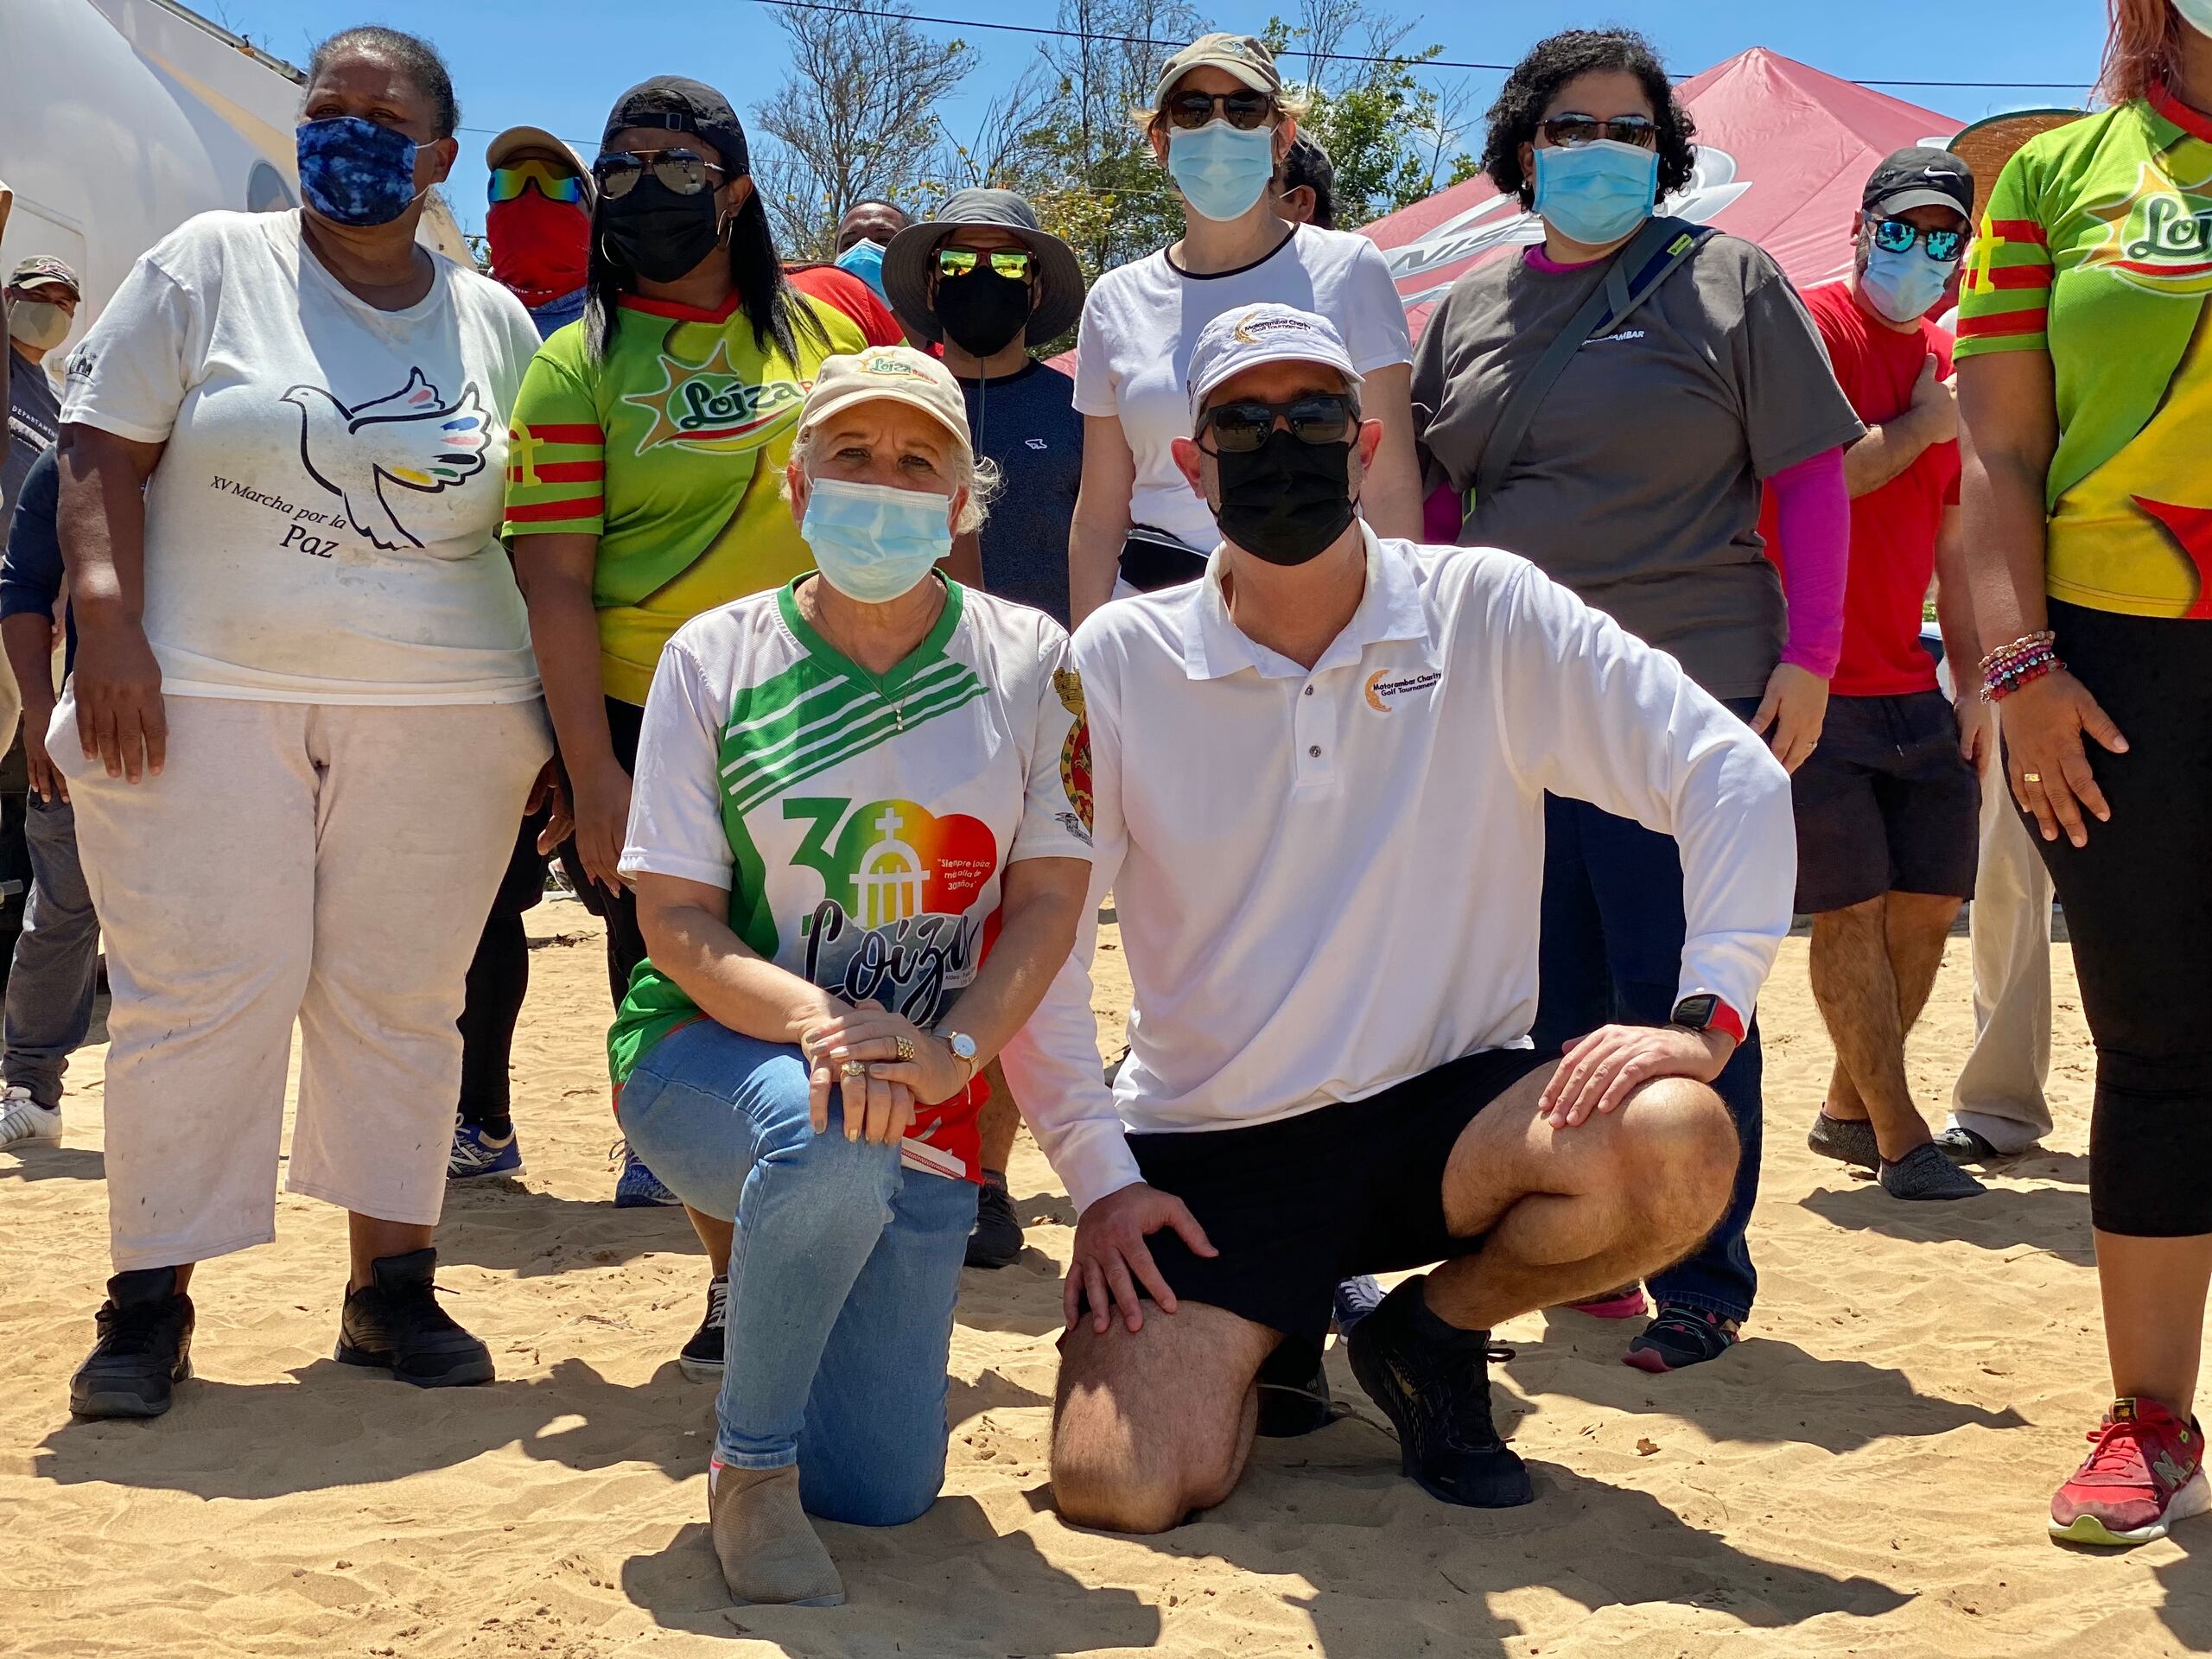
(394, 1322)
(144, 1347)
(1433, 1381)
(1680, 1336)
(701, 1358)
(996, 1240)
(1294, 1393)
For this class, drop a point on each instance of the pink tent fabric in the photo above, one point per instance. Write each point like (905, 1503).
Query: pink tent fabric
(1784, 151)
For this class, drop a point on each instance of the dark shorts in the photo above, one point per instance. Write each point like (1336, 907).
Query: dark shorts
(1296, 1205)
(1885, 805)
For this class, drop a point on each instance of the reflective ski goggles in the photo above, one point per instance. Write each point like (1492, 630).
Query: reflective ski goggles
(551, 180)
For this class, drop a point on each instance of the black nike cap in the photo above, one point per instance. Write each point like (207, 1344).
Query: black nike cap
(1921, 176)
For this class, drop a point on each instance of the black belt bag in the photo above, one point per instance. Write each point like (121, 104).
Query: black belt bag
(1152, 559)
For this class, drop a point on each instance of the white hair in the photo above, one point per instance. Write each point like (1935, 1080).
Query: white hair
(978, 475)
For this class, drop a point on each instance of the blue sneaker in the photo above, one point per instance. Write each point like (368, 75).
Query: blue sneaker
(1355, 1300)
(476, 1154)
(638, 1187)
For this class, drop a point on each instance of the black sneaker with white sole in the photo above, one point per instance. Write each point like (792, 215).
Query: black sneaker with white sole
(701, 1358)
(996, 1240)
(144, 1347)
(1433, 1381)
(394, 1322)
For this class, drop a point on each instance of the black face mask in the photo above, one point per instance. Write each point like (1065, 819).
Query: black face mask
(1286, 501)
(981, 312)
(657, 233)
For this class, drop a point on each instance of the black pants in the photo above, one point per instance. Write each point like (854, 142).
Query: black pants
(626, 945)
(499, 979)
(2139, 905)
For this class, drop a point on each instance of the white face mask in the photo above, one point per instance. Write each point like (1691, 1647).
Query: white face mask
(40, 324)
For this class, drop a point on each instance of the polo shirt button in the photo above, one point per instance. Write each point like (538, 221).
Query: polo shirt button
(1309, 690)
(1315, 750)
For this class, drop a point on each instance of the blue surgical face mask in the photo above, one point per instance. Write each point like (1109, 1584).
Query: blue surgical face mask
(1903, 286)
(873, 542)
(865, 261)
(1597, 193)
(354, 172)
(1221, 170)
(2197, 14)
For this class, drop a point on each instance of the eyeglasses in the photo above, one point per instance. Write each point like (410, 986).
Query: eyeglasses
(684, 171)
(553, 183)
(1317, 419)
(1242, 110)
(1571, 130)
(1898, 236)
(1004, 262)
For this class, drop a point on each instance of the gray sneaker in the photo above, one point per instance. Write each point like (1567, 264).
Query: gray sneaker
(1845, 1141)
(1925, 1173)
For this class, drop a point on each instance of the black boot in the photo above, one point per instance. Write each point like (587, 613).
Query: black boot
(394, 1321)
(1433, 1381)
(1294, 1392)
(144, 1347)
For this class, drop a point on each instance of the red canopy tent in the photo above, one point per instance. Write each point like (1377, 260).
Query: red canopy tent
(1783, 153)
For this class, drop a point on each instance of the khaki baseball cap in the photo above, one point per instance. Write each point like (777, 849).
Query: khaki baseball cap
(504, 147)
(898, 373)
(1241, 55)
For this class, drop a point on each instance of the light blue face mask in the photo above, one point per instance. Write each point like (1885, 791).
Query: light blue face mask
(2197, 14)
(1597, 193)
(872, 542)
(1221, 170)
(1903, 286)
(865, 261)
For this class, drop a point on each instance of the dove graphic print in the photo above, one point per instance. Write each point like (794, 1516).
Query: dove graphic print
(411, 439)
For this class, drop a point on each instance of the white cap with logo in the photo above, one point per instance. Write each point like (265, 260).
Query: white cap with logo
(898, 374)
(1253, 334)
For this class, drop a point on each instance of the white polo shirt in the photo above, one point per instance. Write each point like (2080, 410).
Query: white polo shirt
(1328, 881)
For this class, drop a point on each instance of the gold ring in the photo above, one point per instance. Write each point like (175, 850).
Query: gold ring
(906, 1051)
(2032, 776)
(855, 1069)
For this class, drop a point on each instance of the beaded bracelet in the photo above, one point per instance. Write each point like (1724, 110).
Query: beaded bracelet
(2016, 669)
(2025, 645)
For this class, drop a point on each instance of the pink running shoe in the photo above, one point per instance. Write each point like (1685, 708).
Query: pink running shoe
(2145, 1473)
(1627, 1303)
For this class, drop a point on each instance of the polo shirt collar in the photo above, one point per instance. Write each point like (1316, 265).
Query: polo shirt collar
(1390, 608)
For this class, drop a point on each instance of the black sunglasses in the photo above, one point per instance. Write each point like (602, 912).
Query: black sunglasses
(1317, 417)
(1898, 236)
(1571, 130)
(684, 171)
(1245, 110)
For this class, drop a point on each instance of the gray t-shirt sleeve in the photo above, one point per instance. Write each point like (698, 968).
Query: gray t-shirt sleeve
(1793, 408)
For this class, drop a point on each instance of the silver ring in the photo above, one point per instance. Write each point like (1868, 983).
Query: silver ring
(856, 1069)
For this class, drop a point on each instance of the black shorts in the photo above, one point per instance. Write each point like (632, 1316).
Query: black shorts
(1295, 1206)
(1885, 805)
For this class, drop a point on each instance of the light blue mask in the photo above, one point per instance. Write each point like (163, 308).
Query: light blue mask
(865, 261)
(1221, 169)
(872, 542)
(2197, 14)
(1597, 193)
(1903, 286)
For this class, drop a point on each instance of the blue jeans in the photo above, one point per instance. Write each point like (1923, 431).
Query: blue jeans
(1612, 950)
(843, 1274)
(49, 1002)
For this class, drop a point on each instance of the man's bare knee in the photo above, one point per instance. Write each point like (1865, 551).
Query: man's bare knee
(1678, 1156)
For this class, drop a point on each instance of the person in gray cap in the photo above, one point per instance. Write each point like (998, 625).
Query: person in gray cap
(41, 299)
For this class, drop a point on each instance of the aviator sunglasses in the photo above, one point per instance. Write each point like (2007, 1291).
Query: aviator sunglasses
(1004, 262)
(554, 183)
(1571, 130)
(1898, 236)
(1243, 110)
(684, 171)
(1319, 417)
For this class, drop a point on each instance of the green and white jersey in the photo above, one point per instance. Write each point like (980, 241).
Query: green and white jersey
(861, 825)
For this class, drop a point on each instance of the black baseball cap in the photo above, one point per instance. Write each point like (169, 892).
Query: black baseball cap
(683, 105)
(1920, 176)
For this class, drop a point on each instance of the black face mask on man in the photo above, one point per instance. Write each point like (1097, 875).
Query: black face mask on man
(983, 312)
(1288, 500)
(658, 233)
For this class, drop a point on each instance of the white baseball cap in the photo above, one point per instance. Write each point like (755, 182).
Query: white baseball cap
(898, 374)
(1244, 339)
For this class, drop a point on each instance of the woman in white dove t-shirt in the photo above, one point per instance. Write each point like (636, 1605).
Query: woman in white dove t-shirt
(305, 718)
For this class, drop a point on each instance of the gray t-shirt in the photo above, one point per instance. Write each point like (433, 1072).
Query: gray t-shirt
(1637, 486)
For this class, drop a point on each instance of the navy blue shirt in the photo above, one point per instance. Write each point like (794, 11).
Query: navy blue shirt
(31, 569)
(1027, 423)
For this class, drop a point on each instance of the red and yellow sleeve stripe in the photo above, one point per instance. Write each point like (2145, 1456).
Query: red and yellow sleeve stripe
(555, 478)
(2004, 304)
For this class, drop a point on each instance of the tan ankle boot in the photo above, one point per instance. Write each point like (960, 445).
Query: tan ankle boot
(767, 1548)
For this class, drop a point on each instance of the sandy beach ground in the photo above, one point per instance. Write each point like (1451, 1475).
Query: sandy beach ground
(1866, 1474)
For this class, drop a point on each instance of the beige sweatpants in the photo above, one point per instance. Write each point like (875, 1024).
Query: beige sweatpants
(323, 862)
(2000, 1088)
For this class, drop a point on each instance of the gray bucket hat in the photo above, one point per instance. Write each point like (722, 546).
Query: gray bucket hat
(906, 264)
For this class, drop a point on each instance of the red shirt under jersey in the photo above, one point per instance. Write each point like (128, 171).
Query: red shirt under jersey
(1894, 529)
(850, 296)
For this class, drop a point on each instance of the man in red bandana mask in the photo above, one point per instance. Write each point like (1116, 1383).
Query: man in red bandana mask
(539, 223)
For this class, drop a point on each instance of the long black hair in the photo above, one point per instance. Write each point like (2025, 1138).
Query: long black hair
(1549, 67)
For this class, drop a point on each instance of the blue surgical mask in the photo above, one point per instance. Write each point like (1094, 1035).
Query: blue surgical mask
(1597, 193)
(873, 542)
(1903, 286)
(2197, 14)
(354, 172)
(865, 261)
(1221, 170)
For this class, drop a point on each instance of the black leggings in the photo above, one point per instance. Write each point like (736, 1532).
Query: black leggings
(499, 979)
(626, 943)
(2138, 906)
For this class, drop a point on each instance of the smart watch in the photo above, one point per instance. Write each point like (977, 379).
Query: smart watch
(1703, 1011)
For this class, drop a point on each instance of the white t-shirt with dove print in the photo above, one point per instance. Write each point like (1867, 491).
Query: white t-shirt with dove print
(323, 524)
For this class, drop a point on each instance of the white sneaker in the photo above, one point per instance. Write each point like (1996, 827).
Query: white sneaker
(24, 1121)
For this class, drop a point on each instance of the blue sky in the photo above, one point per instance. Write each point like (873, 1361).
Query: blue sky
(559, 63)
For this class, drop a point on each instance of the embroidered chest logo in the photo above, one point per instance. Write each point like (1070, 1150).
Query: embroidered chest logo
(371, 455)
(1385, 690)
(2159, 237)
(710, 408)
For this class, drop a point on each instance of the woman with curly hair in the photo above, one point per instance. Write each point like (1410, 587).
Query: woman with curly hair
(2085, 381)
(1723, 359)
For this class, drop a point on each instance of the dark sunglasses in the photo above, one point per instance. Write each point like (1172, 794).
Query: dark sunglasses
(1245, 110)
(684, 171)
(1006, 262)
(1317, 417)
(1571, 131)
(554, 183)
(1898, 236)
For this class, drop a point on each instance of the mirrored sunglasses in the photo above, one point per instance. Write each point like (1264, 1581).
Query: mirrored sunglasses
(1898, 236)
(554, 183)
(1004, 262)
(1571, 130)
(684, 171)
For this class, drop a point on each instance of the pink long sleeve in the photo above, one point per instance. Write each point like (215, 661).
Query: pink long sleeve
(1813, 520)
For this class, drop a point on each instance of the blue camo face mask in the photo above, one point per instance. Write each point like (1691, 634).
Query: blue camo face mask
(865, 261)
(1221, 169)
(354, 172)
(873, 542)
(1905, 287)
(1597, 192)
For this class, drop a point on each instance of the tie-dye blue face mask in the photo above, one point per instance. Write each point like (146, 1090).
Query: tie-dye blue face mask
(354, 172)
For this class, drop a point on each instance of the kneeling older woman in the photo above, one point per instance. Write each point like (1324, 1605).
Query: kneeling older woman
(859, 840)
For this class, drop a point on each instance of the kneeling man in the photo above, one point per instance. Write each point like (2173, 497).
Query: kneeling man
(1318, 790)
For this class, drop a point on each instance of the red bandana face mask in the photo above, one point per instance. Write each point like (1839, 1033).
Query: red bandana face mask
(539, 248)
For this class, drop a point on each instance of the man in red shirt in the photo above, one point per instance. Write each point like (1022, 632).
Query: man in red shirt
(1887, 805)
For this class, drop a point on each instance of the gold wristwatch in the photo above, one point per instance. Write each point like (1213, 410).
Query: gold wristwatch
(964, 1048)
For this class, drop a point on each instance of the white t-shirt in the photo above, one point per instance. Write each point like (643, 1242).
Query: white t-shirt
(323, 524)
(1141, 323)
